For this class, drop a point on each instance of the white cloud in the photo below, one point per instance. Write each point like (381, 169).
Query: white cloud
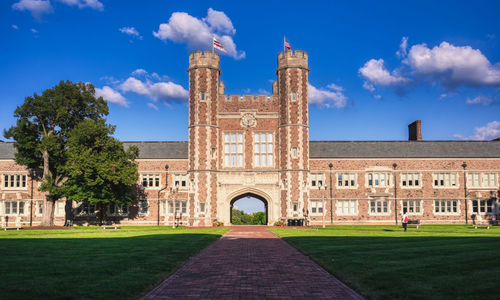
(488, 132)
(453, 66)
(446, 65)
(481, 100)
(218, 21)
(93, 4)
(34, 30)
(130, 31)
(327, 98)
(198, 33)
(375, 72)
(153, 106)
(36, 7)
(111, 96)
(335, 87)
(139, 72)
(403, 47)
(15, 27)
(165, 91)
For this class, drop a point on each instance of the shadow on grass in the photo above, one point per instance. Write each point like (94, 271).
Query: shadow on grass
(92, 268)
(409, 267)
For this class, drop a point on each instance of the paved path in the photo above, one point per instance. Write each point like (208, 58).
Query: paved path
(250, 262)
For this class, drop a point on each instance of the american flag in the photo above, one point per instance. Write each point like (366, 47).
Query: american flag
(218, 45)
(286, 44)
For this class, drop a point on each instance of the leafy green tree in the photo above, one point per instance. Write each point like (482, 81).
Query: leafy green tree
(99, 169)
(259, 218)
(40, 134)
(236, 217)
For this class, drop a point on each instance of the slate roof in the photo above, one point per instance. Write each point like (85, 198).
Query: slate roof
(404, 149)
(334, 149)
(152, 150)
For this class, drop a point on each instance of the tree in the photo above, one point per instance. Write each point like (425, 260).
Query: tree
(259, 218)
(40, 134)
(99, 169)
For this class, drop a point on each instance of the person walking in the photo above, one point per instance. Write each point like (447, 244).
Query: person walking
(405, 220)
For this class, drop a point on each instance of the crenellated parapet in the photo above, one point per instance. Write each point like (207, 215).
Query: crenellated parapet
(203, 59)
(248, 98)
(293, 59)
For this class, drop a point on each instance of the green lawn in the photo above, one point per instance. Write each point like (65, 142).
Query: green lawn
(90, 263)
(383, 262)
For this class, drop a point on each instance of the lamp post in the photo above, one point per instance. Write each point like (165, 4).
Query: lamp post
(159, 191)
(31, 200)
(323, 202)
(330, 165)
(173, 190)
(464, 165)
(395, 165)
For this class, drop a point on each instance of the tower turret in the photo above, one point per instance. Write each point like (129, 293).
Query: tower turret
(204, 73)
(292, 74)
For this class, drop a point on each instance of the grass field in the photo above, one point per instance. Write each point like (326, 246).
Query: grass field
(383, 262)
(90, 263)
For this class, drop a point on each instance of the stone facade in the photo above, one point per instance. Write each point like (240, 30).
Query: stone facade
(258, 145)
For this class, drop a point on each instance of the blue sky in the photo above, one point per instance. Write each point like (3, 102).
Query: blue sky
(375, 66)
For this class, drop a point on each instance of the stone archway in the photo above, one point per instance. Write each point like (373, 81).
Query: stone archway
(250, 193)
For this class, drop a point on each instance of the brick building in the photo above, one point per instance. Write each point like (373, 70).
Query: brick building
(258, 145)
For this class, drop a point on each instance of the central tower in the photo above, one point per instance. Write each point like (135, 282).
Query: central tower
(293, 131)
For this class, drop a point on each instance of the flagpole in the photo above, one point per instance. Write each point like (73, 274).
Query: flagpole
(213, 49)
(284, 39)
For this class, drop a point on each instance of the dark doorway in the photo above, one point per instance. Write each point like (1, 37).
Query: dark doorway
(253, 213)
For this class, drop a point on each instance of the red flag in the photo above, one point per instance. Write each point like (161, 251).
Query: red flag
(218, 45)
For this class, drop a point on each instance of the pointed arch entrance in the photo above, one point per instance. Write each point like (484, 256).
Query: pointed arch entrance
(252, 195)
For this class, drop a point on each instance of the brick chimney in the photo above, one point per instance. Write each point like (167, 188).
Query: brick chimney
(415, 131)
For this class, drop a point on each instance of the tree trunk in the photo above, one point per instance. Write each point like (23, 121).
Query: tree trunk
(48, 212)
(68, 209)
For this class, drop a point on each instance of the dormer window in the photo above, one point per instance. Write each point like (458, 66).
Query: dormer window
(202, 96)
(294, 96)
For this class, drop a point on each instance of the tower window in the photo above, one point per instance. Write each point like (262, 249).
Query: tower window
(202, 96)
(294, 152)
(294, 96)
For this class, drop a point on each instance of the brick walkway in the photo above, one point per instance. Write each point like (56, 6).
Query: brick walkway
(250, 262)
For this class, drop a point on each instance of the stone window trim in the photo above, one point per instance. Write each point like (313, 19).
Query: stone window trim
(482, 180)
(376, 203)
(14, 208)
(405, 178)
(14, 181)
(316, 179)
(236, 152)
(293, 96)
(341, 176)
(85, 209)
(420, 206)
(39, 207)
(257, 141)
(447, 203)
(202, 207)
(295, 152)
(143, 210)
(488, 205)
(117, 210)
(180, 180)
(317, 207)
(445, 180)
(60, 208)
(379, 179)
(352, 207)
(150, 180)
(203, 96)
(180, 207)
(295, 207)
